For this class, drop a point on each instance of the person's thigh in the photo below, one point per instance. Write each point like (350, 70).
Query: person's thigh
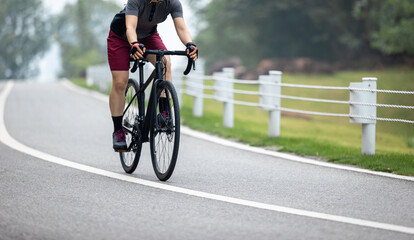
(118, 52)
(153, 42)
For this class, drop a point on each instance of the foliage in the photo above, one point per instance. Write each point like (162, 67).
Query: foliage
(24, 37)
(343, 30)
(81, 30)
(391, 24)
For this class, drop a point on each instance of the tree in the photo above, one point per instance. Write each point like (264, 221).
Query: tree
(24, 37)
(389, 23)
(336, 31)
(285, 28)
(81, 30)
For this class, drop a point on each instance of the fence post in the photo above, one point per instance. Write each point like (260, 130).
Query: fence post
(198, 106)
(198, 98)
(228, 115)
(100, 76)
(223, 92)
(89, 78)
(274, 113)
(368, 125)
(270, 99)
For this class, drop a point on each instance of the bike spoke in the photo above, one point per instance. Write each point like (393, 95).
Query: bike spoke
(130, 158)
(164, 136)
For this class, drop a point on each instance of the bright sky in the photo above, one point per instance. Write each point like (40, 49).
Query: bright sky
(50, 64)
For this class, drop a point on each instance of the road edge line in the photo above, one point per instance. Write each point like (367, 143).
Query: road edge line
(214, 139)
(9, 141)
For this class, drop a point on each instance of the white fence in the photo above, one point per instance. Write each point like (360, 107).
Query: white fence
(100, 76)
(362, 104)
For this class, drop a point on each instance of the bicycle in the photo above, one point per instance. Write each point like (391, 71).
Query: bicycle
(160, 129)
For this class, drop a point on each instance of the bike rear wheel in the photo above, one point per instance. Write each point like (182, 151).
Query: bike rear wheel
(165, 132)
(130, 123)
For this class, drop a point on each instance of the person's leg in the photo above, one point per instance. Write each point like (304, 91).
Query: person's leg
(167, 65)
(116, 105)
(117, 97)
(163, 103)
(118, 58)
(154, 42)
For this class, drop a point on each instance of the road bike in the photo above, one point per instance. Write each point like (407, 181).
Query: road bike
(160, 127)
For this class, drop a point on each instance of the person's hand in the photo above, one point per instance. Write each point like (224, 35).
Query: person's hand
(137, 50)
(192, 51)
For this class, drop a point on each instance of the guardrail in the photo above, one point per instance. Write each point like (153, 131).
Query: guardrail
(362, 104)
(100, 76)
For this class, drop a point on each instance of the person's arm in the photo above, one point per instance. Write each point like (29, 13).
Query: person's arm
(184, 34)
(182, 30)
(131, 23)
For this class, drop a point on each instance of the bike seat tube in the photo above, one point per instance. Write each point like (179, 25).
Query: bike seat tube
(141, 73)
(158, 66)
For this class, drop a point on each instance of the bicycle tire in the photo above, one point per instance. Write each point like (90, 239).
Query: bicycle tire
(165, 140)
(130, 159)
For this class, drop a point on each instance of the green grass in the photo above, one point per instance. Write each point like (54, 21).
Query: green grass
(302, 137)
(82, 83)
(331, 139)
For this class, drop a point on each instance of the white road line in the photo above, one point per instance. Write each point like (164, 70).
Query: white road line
(6, 139)
(225, 142)
(286, 156)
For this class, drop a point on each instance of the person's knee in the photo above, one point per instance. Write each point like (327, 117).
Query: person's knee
(119, 83)
(168, 63)
(119, 86)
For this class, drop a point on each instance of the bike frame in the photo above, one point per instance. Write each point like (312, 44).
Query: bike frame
(157, 75)
(143, 121)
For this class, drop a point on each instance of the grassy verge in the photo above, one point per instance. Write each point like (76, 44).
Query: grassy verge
(81, 82)
(330, 139)
(300, 136)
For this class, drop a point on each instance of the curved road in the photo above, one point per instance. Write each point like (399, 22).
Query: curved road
(216, 191)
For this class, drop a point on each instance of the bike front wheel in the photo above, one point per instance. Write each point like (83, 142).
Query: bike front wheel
(130, 123)
(165, 131)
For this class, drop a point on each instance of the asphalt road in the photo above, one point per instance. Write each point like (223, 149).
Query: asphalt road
(44, 200)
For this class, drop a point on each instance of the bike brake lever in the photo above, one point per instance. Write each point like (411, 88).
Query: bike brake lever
(135, 67)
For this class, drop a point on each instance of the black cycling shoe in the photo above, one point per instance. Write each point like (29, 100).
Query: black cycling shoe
(119, 142)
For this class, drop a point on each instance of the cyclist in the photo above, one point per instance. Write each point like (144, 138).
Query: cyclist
(132, 30)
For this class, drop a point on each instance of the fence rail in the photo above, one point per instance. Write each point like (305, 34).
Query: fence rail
(362, 104)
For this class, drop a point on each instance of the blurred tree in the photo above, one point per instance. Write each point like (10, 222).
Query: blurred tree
(255, 30)
(341, 30)
(81, 30)
(24, 37)
(389, 23)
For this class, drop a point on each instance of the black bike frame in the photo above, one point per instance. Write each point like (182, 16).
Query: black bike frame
(143, 119)
(144, 122)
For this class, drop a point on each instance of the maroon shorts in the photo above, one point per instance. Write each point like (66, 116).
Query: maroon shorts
(119, 49)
